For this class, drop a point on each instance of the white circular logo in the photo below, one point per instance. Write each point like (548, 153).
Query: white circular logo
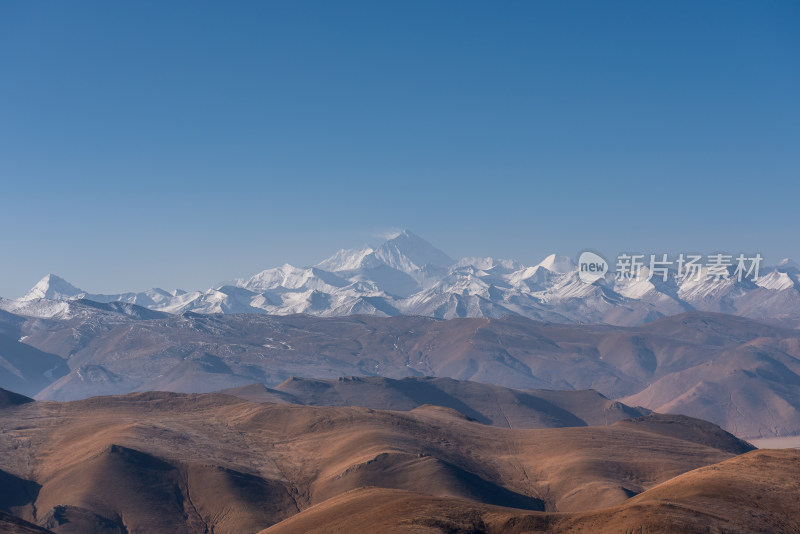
(591, 267)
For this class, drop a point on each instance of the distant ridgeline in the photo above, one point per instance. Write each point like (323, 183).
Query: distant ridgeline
(406, 275)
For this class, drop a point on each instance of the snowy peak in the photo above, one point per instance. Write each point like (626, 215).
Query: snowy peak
(408, 275)
(776, 281)
(271, 278)
(409, 253)
(406, 252)
(54, 288)
(488, 264)
(349, 260)
(291, 277)
(557, 264)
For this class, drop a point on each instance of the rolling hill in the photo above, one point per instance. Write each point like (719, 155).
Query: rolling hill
(755, 492)
(733, 371)
(485, 403)
(168, 462)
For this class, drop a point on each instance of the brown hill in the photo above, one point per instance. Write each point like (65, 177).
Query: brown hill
(10, 524)
(166, 462)
(736, 372)
(755, 492)
(487, 403)
(10, 399)
(751, 390)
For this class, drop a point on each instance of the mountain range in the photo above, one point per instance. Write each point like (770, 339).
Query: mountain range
(395, 389)
(736, 372)
(406, 275)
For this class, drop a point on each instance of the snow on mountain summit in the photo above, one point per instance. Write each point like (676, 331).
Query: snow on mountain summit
(557, 264)
(349, 259)
(52, 287)
(291, 277)
(408, 252)
(408, 275)
(776, 281)
(489, 263)
(405, 251)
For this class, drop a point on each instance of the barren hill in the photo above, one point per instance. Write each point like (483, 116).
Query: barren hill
(755, 492)
(167, 462)
(9, 398)
(486, 403)
(736, 372)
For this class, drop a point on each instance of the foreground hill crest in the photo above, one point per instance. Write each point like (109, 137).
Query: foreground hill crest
(160, 462)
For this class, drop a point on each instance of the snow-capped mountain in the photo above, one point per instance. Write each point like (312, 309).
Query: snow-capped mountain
(54, 288)
(406, 275)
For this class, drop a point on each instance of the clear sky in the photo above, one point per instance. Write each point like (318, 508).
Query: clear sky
(179, 144)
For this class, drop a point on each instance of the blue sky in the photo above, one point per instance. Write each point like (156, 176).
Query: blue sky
(184, 143)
